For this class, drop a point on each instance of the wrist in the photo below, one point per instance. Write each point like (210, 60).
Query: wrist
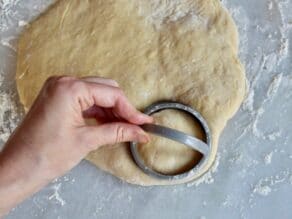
(21, 175)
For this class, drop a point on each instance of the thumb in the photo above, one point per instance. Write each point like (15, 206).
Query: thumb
(112, 133)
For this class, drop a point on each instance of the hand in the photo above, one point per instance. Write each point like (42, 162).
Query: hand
(54, 136)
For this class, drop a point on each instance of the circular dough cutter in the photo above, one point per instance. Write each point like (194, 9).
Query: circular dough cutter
(204, 147)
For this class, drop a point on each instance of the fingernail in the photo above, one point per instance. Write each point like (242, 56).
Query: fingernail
(147, 118)
(143, 138)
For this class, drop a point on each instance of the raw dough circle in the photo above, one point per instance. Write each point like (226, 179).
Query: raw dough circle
(167, 156)
(180, 50)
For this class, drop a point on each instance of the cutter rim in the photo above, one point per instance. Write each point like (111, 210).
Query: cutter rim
(160, 106)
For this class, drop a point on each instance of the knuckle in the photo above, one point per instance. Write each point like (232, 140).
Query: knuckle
(57, 79)
(74, 87)
(62, 85)
(50, 85)
(66, 85)
(66, 78)
(51, 80)
(120, 134)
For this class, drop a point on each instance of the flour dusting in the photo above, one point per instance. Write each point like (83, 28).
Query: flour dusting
(56, 195)
(249, 101)
(159, 12)
(261, 189)
(268, 158)
(7, 13)
(266, 185)
(274, 85)
(7, 43)
(208, 177)
(9, 115)
(22, 23)
(9, 111)
(274, 135)
(270, 5)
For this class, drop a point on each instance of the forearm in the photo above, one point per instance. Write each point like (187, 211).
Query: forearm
(43, 147)
(21, 175)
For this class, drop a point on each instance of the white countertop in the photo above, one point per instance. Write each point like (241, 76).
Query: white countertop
(253, 175)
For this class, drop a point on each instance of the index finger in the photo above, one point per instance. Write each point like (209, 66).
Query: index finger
(113, 97)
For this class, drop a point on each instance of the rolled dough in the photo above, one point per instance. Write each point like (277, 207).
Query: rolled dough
(182, 50)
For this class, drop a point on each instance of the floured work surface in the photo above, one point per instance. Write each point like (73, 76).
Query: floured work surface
(186, 52)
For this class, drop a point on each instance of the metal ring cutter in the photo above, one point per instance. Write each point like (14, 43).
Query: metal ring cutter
(204, 147)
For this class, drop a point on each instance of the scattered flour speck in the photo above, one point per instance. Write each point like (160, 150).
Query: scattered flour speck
(207, 178)
(8, 114)
(249, 101)
(268, 158)
(56, 195)
(270, 5)
(274, 135)
(274, 85)
(7, 43)
(22, 23)
(263, 190)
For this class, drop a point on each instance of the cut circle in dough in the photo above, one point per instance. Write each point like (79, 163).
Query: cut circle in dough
(180, 50)
(167, 156)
